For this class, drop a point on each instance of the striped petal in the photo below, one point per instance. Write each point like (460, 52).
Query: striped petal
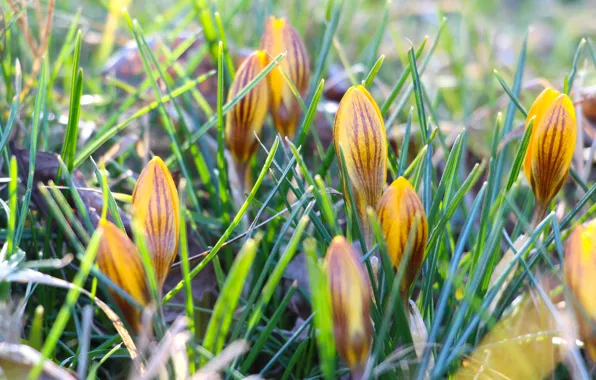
(279, 37)
(247, 116)
(360, 132)
(155, 205)
(349, 287)
(580, 274)
(552, 144)
(399, 211)
(119, 259)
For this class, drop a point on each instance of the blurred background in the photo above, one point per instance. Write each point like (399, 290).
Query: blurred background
(479, 37)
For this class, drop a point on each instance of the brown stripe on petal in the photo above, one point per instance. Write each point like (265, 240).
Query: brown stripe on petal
(247, 116)
(402, 211)
(156, 209)
(349, 289)
(119, 259)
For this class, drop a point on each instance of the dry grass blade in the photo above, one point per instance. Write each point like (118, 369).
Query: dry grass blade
(173, 344)
(32, 276)
(221, 361)
(16, 361)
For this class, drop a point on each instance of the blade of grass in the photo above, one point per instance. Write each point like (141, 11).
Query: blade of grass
(74, 111)
(232, 225)
(370, 77)
(213, 119)
(66, 309)
(225, 307)
(102, 138)
(441, 307)
(37, 115)
(224, 193)
(509, 116)
(325, 46)
(321, 305)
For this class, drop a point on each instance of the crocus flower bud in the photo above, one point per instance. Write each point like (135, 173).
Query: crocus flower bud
(155, 207)
(279, 37)
(360, 133)
(119, 259)
(580, 274)
(399, 211)
(350, 301)
(247, 116)
(551, 146)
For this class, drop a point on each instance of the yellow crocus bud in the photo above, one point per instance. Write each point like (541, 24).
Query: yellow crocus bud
(119, 259)
(349, 289)
(280, 37)
(551, 146)
(360, 133)
(156, 208)
(580, 274)
(246, 118)
(399, 211)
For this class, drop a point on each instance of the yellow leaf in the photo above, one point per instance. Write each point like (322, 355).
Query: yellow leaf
(580, 274)
(522, 345)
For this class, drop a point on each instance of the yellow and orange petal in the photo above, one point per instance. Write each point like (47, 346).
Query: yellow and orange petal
(119, 259)
(359, 131)
(247, 116)
(279, 37)
(551, 146)
(399, 211)
(349, 289)
(156, 208)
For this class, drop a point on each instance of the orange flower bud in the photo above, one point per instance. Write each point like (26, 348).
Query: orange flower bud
(399, 211)
(580, 274)
(156, 208)
(247, 116)
(349, 288)
(279, 37)
(360, 132)
(119, 259)
(551, 146)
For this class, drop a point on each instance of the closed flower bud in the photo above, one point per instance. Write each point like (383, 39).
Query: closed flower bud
(360, 132)
(580, 274)
(247, 116)
(119, 259)
(279, 37)
(551, 146)
(399, 211)
(156, 208)
(350, 301)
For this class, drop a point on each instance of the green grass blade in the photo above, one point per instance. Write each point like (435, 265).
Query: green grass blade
(222, 168)
(225, 306)
(66, 309)
(321, 304)
(232, 225)
(37, 115)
